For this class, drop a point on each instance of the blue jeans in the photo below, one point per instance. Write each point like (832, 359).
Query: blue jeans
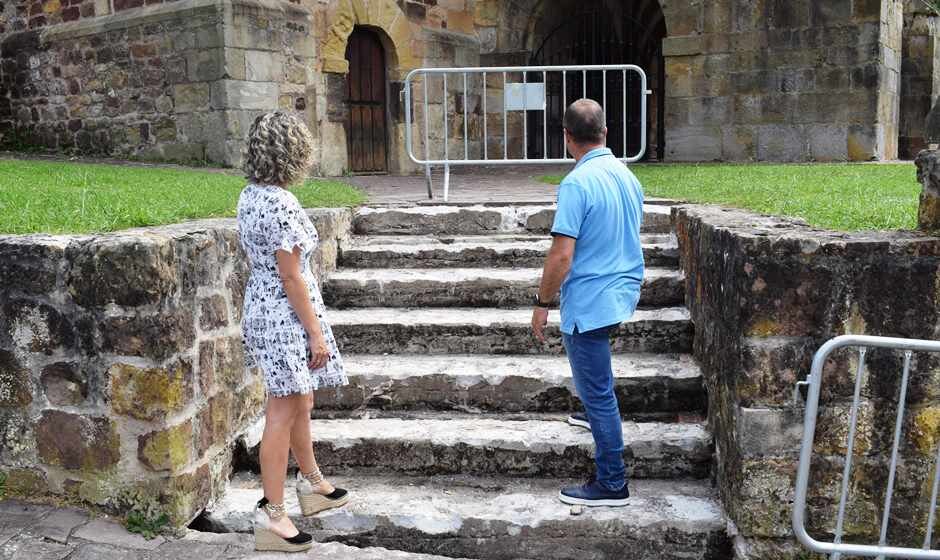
(589, 356)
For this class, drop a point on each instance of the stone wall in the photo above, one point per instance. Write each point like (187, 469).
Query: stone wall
(122, 377)
(180, 81)
(764, 294)
(919, 77)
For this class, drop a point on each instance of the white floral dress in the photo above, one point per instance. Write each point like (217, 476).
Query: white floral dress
(271, 218)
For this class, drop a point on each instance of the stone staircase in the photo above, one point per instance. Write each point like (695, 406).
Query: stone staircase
(452, 434)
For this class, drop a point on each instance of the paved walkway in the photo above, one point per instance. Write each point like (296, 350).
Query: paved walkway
(478, 185)
(40, 532)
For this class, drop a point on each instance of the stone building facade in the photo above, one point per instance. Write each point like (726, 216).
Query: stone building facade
(733, 80)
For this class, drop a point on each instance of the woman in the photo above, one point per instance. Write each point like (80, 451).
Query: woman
(283, 325)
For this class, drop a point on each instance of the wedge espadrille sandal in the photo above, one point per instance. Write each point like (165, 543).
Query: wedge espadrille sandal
(269, 541)
(311, 502)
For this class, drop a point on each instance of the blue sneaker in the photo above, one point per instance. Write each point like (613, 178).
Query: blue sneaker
(580, 420)
(593, 494)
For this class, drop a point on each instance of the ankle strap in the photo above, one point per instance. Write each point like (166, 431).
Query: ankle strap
(314, 476)
(274, 511)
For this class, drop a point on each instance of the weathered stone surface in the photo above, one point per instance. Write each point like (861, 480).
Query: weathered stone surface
(150, 394)
(169, 449)
(128, 271)
(64, 384)
(477, 220)
(23, 547)
(105, 532)
(928, 174)
(505, 251)
(36, 327)
(59, 524)
(646, 385)
(17, 440)
(213, 313)
(30, 263)
(491, 331)
(464, 287)
(15, 383)
(474, 445)
(507, 519)
(159, 336)
(77, 442)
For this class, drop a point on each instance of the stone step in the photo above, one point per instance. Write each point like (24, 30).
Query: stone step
(386, 330)
(469, 287)
(461, 444)
(502, 251)
(506, 519)
(647, 385)
(479, 220)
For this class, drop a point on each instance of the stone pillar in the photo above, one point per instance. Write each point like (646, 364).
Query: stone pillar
(928, 175)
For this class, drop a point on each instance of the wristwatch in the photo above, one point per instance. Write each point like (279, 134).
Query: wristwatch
(540, 303)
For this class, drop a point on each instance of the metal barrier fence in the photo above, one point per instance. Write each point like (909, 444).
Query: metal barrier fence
(837, 548)
(526, 95)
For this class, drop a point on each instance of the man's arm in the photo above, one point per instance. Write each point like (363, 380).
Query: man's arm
(557, 265)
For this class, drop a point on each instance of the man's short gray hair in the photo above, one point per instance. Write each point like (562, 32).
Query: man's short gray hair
(585, 121)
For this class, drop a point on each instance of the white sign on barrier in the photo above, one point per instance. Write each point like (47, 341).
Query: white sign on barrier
(525, 97)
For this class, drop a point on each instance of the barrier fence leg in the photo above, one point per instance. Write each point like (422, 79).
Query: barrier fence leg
(427, 175)
(446, 182)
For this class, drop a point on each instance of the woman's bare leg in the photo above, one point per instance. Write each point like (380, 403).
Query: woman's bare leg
(280, 417)
(301, 443)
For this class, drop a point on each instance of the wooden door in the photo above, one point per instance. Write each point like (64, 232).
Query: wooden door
(367, 138)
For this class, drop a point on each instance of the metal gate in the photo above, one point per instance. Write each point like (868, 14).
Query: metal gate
(837, 548)
(525, 90)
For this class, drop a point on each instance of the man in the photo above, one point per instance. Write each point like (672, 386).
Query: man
(596, 251)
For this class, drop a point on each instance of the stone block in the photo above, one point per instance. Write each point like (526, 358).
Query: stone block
(780, 143)
(205, 65)
(263, 66)
(36, 327)
(928, 175)
(690, 143)
(169, 449)
(244, 95)
(64, 384)
(187, 494)
(213, 313)
(128, 270)
(191, 97)
(15, 383)
(28, 483)
(30, 263)
(764, 431)
(150, 394)
(828, 142)
(216, 421)
(862, 144)
(76, 442)
(739, 143)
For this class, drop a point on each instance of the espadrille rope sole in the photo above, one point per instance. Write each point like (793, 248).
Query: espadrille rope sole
(311, 504)
(268, 541)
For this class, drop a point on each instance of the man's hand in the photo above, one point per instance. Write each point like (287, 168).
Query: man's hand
(539, 320)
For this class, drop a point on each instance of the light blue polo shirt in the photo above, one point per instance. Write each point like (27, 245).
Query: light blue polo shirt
(600, 204)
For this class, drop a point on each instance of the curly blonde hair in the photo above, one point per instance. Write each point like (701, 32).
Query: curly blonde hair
(279, 150)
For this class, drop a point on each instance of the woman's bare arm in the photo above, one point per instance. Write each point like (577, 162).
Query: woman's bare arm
(288, 267)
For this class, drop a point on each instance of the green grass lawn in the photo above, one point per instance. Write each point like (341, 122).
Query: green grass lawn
(60, 197)
(846, 197)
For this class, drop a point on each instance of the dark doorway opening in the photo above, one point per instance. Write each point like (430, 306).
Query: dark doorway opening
(602, 32)
(366, 87)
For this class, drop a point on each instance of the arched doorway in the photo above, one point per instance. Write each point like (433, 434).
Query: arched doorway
(577, 32)
(366, 100)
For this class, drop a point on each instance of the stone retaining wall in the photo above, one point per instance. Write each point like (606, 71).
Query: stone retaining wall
(122, 380)
(764, 294)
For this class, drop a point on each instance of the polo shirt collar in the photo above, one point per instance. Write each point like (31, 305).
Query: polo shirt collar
(596, 152)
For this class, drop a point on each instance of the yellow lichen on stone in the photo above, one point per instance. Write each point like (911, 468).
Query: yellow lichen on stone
(170, 449)
(381, 14)
(925, 430)
(855, 323)
(764, 328)
(147, 394)
(51, 6)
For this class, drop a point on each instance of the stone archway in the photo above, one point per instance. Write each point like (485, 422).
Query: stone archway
(384, 15)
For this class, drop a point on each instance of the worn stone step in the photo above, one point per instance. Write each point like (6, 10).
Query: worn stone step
(647, 385)
(459, 444)
(469, 287)
(503, 251)
(479, 220)
(506, 519)
(386, 330)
